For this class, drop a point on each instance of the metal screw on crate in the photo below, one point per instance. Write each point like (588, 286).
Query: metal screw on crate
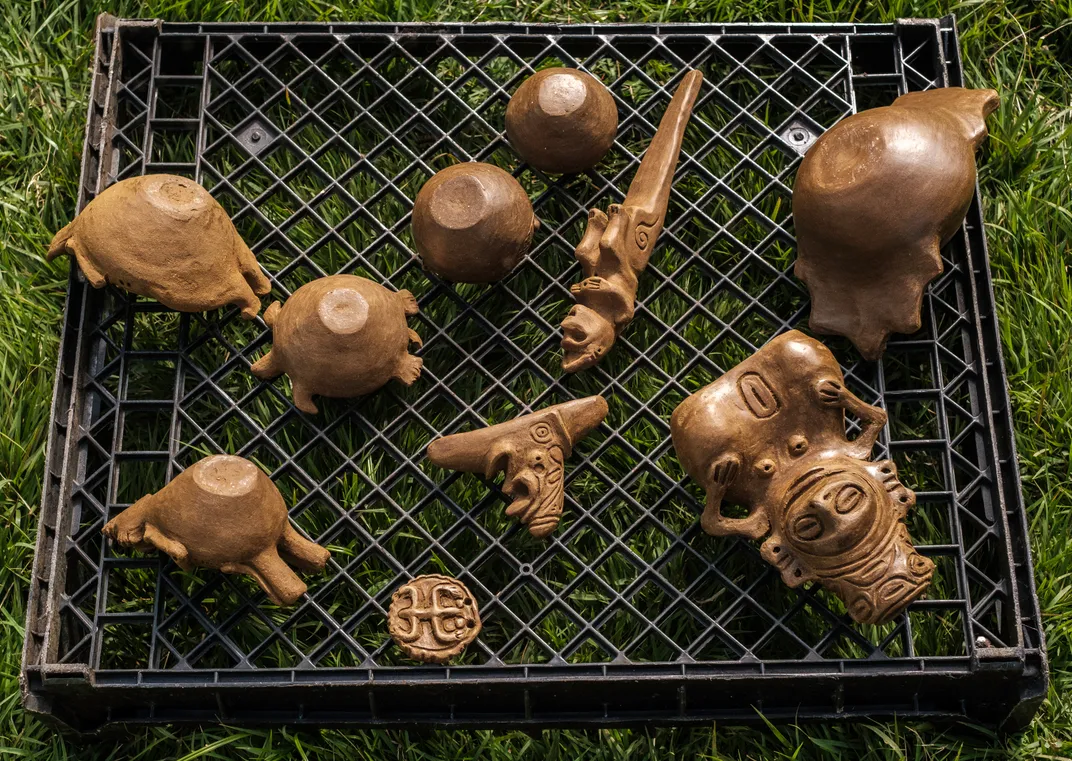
(770, 435)
(616, 246)
(340, 336)
(223, 512)
(875, 199)
(433, 618)
(532, 449)
(167, 238)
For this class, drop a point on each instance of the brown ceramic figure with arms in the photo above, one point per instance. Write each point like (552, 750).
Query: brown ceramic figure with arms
(770, 435)
(617, 245)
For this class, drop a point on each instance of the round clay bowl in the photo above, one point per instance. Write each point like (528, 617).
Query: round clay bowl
(562, 120)
(472, 223)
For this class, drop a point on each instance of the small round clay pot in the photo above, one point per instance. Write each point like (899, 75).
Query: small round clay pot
(167, 238)
(340, 336)
(562, 120)
(472, 223)
(222, 512)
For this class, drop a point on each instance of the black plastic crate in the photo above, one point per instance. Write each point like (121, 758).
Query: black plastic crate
(316, 138)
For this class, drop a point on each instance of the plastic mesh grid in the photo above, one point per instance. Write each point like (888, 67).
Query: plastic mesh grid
(317, 144)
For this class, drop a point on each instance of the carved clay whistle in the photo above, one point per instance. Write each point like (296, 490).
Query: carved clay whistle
(164, 237)
(770, 435)
(532, 450)
(433, 618)
(562, 120)
(222, 512)
(617, 245)
(472, 223)
(340, 336)
(875, 199)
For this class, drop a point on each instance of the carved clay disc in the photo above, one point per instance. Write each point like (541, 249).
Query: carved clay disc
(433, 618)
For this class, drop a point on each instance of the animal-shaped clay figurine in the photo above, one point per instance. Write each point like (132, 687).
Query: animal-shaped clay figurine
(875, 199)
(223, 512)
(164, 237)
(433, 618)
(562, 120)
(340, 336)
(472, 223)
(770, 435)
(617, 245)
(532, 449)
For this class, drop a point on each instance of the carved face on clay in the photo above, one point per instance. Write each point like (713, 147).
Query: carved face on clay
(770, 435)
(167, 238)
(341, 336)
(586, 337)
(875, 199)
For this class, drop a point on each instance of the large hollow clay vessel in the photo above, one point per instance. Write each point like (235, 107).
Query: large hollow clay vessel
(532, 449)
(223, 512)
(472, 223)
(167, 238)
(616, 246)
(340, 336)
(875, 199)
(562, 120)
(769, 435)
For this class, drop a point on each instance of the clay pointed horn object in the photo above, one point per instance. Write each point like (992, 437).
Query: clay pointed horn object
(617, 245)
(532, 450)
(874, 201)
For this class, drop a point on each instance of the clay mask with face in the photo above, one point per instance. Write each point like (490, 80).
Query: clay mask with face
(770, 435)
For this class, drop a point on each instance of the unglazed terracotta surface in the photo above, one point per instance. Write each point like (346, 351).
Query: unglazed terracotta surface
(223, 512)
(875, 199)
(562, 120)
(340, 336)
(532, 449)
(433, 618)
(770, 435)
(164, 237)
(617, 245)
(472, 223)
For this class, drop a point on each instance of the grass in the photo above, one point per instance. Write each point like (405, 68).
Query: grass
(1021, 48)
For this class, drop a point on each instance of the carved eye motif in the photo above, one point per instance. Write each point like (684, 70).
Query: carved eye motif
(808, 527)
(848, 499)
(918, 564)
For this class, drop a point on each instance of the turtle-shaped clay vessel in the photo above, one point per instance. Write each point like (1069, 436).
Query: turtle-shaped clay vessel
(223, 512)
(167, 238)
(340, 336)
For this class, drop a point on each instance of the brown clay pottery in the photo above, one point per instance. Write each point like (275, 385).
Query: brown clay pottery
(223, 512)
(433, 618)
(340, 336)
(875, 199)
(472, 223)
(562, 120)
(769, 435)
(532, 450)
(164, 237)
(617, 245)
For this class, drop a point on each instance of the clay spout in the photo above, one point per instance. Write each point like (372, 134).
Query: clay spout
(650, 189)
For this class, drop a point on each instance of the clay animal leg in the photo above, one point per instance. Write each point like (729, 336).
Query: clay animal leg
(267, 367)
(414, 338)
(409, 370)
(300, 552)
(409, 302)
(280, 583)
(93, 275)
(303, 398)
(128, 528)
(245, 299)
(831, 392)
(587, 251)
(176, 550)
(251, 270)
(713, 522)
